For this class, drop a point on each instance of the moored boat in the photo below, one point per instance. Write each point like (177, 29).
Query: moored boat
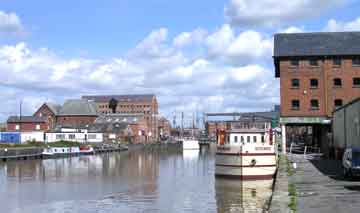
(246, 150)
(190, 144)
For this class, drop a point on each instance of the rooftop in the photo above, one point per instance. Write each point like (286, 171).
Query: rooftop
(26, 119)
(78, 107)
(317, 44)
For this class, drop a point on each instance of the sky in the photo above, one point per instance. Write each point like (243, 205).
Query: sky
(195, 56)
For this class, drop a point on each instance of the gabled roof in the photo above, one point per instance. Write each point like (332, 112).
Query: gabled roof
(55, 108)
(121, 98)
(26, 119)
(317, 44)
(78, 107)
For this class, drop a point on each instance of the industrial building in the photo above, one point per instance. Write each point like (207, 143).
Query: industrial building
(318, 72)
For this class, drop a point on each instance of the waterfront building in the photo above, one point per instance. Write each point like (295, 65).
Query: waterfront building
(318, 72)
(145, 104)
(26, 124)
(73, 133)
(49, 111)
(132, 127)
(77, 112)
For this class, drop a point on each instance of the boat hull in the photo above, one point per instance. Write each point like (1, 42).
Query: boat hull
(247, 165)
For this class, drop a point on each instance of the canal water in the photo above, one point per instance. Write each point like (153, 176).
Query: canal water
(162, 179)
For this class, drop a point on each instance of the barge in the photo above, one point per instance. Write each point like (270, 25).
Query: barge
(246, 150)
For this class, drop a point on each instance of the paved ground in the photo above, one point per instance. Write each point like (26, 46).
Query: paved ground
(321, 187)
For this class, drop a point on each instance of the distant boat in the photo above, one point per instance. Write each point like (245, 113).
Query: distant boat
(190, 144)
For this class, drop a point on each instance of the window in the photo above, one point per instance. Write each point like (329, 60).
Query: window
(295, 104)
(235, 139)
(294, 63)
(338, 103)
(248, 139)
(92, 136)
(262, 139)
(314, 104)
(242, 139)
(337, 82)
(60, 137)
(356, 82)
(337, 62)
(295, 83)
(228, 138)
(254, 139)
(314, 83)
(314, 62)
(17, 127)
(37, 127)
(72, 136)
(356, 61)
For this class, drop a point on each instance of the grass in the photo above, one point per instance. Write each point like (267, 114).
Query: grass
(292, 194)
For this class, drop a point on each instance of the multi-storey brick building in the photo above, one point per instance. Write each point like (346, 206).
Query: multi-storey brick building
(130, 104)
(318, 72)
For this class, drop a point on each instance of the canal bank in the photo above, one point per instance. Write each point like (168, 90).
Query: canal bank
(321, 187)
(60, 150)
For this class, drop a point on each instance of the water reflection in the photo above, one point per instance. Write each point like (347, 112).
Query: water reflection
(242, 196)
(153, 180)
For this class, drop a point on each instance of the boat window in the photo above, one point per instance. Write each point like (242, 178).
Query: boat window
(248, 139)
(235, 139)
(254, 139)
(262, 139)
(228, 139)
(242, 139)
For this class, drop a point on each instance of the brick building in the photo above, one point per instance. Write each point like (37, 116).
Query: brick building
(77, 112)
(318, 72)
(136, 124)
(26, 124)
(49, 111)
(145, 104)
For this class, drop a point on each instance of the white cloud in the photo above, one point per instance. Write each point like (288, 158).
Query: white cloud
(292, 29)
(245, 47)
(274, 12)
(337, 26)
(187, 38)
(156, 65)
(10, 23)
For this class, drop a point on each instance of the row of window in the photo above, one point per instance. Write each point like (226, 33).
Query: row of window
(124, 106)
(314, 104)
(248, 139)
(37, 127)
(314, 83)
(336, 62)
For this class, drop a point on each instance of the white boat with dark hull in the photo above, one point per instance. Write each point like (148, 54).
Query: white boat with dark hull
(247, 152)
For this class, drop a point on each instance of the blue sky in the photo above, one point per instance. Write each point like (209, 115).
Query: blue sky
(194, 55)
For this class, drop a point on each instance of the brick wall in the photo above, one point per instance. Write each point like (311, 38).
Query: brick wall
(26, 127)
(45, 112)
(75, 120)
(326, 93)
